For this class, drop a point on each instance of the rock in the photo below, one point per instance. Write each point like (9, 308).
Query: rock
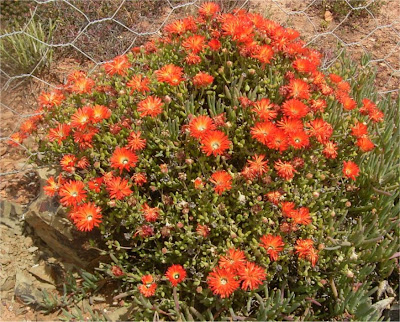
(43, 272)
(11, 216)
(32, 249)
(50, 223)
(24, 290)
(119, 314)
(8, 284)
(328, 16)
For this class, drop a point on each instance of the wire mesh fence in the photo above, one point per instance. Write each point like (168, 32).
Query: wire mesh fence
(42, 41)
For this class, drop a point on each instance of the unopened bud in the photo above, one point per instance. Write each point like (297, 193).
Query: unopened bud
(252, 71)
(349, 274)
(309, 175)
(199, 289)
(315, 194)
(321, 246)
(167, 99)
(179, 225)
(348, 204)
(122, 92)
(233, 235)
(229, 63)
(164, 250)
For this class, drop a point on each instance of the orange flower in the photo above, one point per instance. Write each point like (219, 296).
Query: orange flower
(170, 74)
(273, 245)
(294, 108)
(274, 197)
(52, 185)
(139, 83)
(259, 166)
(200, 125)
(150, 106)
(318, 105)
(148, 288)
(28, 126)
(347, 102)
(192, 59)
(202, 80)
(251, 276)
(222, 282)
(277, 140)
(179, 27)
(330, 150)
(299, 139)
(119, 65)
(150, 214)
(82, 117)
(51, 99)
(233, 261)
(222, 181)
(298, 89)
(68, 162)
(87, 216)
(194, 44)
(16, 139)
(262, 131)
(118, 188)
(83, 85)
(198, 183)
(365, 144)
(264, 54)
(139, 179)
(135, 142)
(100, 113)
(95, 184)
(59, 134)
(203, 230)
(359, 130)
(350, 170)
(175, 274)
(285, 169)
(72, 193)
(214, 44)
(301, 216)
(215, 142)
(305, 249)
(265, 109)
(209, 9)
(123, 158)
(84, 138)
(320, 129)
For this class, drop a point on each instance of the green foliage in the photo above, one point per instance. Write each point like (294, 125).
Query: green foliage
(25, 52)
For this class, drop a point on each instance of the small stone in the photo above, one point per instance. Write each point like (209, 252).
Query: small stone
(32, 249)
(328, 16)
(43, 272)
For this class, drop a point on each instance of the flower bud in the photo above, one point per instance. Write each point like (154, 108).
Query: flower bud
(96, 164)
(199, 289)
(111, 203)
(315, 194)
(189, 161)
(164, 250)
(167, 99)
(252, 71)
(179, 225)
(348, 204)
(309, 175)
(233, 235)
(349, 274)
(122, 92)
(321, 246)
(229, 63)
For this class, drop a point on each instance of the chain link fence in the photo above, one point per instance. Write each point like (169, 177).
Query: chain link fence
(42, 41)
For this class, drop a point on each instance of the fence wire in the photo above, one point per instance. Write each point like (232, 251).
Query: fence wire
(63, 35)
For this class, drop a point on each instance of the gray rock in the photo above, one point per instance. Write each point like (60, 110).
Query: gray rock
(50, 223)
(11, 215)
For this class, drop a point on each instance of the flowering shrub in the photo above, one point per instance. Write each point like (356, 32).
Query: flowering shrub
(228, 175)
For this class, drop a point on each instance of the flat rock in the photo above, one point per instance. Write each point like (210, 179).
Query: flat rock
(43, 272)
(50, 223)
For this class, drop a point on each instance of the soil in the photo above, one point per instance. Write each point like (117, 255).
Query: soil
(377, 34)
